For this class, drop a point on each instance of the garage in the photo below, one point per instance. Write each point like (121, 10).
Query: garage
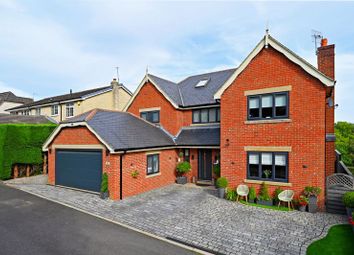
(81, 169)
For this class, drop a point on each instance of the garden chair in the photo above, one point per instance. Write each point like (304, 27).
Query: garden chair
(287, 197)
(242, 191)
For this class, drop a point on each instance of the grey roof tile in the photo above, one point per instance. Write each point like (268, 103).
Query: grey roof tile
(199, 136)
(185, 93)
(9, 118)
(11, 97)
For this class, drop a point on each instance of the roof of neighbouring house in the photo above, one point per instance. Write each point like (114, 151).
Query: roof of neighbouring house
(68, 97)
(11, 97)
(199, 136)
(13, 119)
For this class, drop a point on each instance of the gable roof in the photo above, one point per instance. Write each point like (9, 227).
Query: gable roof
(9, 118)
(266, 41)
(118, 131)
(68, 97)
(11, 97)
(185, 93)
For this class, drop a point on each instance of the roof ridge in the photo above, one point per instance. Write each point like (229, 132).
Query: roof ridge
(219, 71)
(162, 78)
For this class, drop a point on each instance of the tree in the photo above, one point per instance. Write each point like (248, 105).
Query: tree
(345, 141)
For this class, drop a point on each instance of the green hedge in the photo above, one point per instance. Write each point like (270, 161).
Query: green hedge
(21, 144)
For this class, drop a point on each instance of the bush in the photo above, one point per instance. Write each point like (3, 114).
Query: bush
(21, 144)
(183, 168)
(302, 201)
(312, 191)
(348, 199)
(252, 194)
(216, 170)
(104, 183)
(277, 191)
(231, 195)
(263, 193)
(222, 182)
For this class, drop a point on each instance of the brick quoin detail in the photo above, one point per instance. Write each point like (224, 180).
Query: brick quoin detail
(305, 134)
(171, 118)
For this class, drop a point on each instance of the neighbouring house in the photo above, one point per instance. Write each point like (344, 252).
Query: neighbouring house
(60, 108)
(19, 119)
(9, 100)
(269, 120)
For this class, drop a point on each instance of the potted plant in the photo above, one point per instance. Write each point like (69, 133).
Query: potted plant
(252, 195)
(277, 191)
(221, 184)
(302, 202)
(182, 168)
(263, 197)
(311, 193)
(348, 201)
(104, 187)
(231, 195)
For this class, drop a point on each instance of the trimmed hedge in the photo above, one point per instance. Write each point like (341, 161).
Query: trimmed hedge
(21, 144)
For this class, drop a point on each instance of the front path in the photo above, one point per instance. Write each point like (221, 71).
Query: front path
(196, 216)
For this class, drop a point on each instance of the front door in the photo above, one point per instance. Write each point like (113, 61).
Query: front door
(204, 165)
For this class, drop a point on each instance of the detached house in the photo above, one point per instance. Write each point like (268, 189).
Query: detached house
(269, 120)
(9, 100)
(62, 107)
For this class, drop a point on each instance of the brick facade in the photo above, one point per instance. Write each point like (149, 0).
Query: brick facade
(304, 133)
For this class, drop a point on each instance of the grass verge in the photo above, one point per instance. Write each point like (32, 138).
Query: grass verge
(339, 241)
(273, 207)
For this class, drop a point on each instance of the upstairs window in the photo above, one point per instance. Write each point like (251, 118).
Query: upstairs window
(208, 115)
(268, 106)
(55, 110)
(69, 110)
(151, 116)
(268, 166)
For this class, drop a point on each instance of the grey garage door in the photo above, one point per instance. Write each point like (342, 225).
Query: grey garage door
(81, 169)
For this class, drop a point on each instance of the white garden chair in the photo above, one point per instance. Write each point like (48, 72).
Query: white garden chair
(287, 197)
(242, 191)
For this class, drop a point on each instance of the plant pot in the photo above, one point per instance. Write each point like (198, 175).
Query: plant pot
(302, 208)
(104, 195)
(312, 204)
(265, 202)
(251, 201)
(349, 211)
(221, 192)
(181, 180)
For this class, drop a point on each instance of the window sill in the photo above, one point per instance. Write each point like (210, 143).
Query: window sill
(272, 183)
(153, 175)
(271, 121)
(55, 115)
(69, 117)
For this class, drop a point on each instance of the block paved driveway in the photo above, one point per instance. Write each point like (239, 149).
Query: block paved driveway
(196, 216)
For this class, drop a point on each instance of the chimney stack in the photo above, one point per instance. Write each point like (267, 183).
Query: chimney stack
(115, 88)
(114, 82)
(325, 58)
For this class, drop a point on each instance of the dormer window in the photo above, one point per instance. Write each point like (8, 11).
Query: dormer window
(202, 83)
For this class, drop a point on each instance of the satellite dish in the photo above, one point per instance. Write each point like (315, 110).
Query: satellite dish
(330, 102)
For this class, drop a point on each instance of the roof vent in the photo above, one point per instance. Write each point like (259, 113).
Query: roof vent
(202, 83)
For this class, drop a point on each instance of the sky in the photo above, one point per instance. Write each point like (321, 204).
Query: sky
(50, 47)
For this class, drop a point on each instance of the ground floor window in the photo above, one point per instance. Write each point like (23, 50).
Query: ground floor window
(268, 166)
(153, 164)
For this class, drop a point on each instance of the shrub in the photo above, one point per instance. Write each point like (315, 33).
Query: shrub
(104, 183)
(252, 194)
(183, 168)
(216, 170)
(312, 191)
(21, 144)
(222, 182)
(277, 191)
(231, 195)
(302, 201)
(348, 199)
(263, 193)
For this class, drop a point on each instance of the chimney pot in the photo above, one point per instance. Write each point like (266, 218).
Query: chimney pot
(324, 42)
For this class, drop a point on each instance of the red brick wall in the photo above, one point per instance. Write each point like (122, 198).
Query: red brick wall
(138, 161)
(305, 133)
(170, 118)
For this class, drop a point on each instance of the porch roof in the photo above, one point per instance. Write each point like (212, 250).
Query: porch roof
(199, 136)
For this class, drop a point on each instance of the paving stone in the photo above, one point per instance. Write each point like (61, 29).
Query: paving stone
(197, 216)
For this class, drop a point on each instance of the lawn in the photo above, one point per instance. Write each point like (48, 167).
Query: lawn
(281, 208)
(339, 241)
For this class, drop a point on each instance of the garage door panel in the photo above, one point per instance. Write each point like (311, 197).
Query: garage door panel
(79, 169)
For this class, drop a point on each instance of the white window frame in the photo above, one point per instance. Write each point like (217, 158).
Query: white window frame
(69, 110)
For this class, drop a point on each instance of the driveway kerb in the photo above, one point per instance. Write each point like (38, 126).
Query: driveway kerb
(198, 251)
